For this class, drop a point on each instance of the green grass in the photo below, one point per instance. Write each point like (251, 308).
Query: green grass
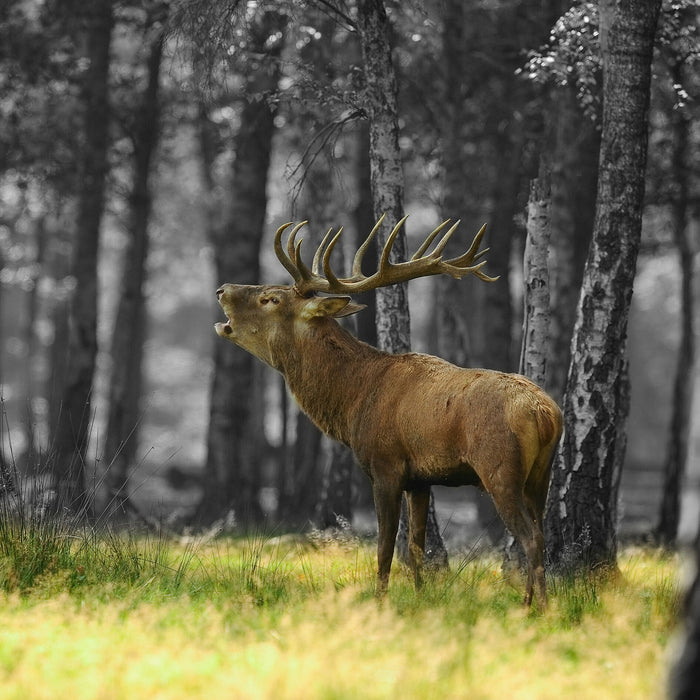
(123, 616)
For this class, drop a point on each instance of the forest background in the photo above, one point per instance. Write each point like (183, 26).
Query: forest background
(222, 120)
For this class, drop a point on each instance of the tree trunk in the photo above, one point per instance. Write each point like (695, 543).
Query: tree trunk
(452, 296)
(677, 446)
(366, 321)
(334, 508)
(582, 512)
(386, 175)
(536, 314)
(363, 216)
(232, 471)
(72, 432)
(303, 479)
(35, 353)
(386, 170)
(533, 355)
(123, 421)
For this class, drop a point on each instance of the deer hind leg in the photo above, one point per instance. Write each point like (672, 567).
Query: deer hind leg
(387, 501)
(529, 534)
(418, 501)
(537, 484)
(535, 576)
(536, 491)
(519, 520)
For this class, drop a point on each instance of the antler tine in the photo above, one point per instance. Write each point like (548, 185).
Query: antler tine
(476, 270)
(319, 252)
(431, 237)
(360, 254)
(306, 274)
(330, 276)
(463, 262)
(471, 255)
(459, 272)
(443, 241)
(384, 263)
(285, 259)
(291, 241)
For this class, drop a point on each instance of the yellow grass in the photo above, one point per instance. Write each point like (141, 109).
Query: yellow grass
(325, 636)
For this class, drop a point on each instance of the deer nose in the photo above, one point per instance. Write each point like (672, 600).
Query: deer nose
(219, 292)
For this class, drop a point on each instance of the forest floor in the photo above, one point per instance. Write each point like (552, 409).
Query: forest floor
(127, 616)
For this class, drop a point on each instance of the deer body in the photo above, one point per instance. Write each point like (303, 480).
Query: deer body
(412, 420)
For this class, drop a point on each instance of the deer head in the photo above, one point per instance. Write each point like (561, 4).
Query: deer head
(261, 318)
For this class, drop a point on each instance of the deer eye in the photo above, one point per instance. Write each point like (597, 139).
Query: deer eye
(269, 300)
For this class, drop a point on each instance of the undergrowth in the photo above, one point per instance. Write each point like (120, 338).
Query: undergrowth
(266, 616)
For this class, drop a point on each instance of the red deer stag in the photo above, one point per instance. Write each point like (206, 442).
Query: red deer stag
(412, 420)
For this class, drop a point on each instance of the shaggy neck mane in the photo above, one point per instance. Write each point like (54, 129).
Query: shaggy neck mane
(323, 369)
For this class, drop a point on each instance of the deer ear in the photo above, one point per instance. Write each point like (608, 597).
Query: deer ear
(330, 306)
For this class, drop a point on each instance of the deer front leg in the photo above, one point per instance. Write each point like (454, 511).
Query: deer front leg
(418, 501)
(387, 501)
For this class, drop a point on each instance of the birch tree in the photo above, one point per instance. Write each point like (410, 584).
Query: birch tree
(582, 513)
(533, 356)
(536, 312)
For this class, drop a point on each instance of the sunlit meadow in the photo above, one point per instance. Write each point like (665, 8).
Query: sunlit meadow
(107, 616)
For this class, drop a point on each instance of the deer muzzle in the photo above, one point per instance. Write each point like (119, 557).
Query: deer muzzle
(222, 328)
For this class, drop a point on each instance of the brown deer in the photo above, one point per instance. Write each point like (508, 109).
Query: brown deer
(412, 420)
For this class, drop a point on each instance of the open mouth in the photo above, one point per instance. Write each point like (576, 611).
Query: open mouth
(223, 328)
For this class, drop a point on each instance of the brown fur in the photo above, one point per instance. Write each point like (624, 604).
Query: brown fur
(412, 420)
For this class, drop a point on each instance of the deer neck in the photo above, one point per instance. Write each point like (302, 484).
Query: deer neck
(330, 372)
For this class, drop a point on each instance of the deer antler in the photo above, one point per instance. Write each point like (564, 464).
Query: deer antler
(307, 281)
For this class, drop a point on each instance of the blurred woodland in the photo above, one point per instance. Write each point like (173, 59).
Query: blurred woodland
(148, 152)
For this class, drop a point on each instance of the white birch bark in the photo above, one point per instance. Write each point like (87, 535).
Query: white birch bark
(536, 317)
(582, 513)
